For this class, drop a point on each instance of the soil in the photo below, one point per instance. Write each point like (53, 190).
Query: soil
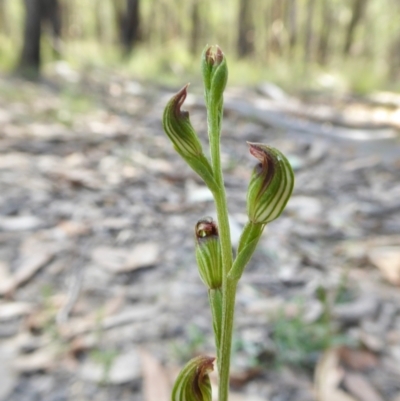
(97, 267)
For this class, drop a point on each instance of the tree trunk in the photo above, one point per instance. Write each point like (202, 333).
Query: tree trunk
(37, 12)
(394, 60)
(245, 43)
(309, 38)
(358, 11)
(29, 65)
(52, 17)
(277, 12)
(4, 26)
(128, 22)
(394, 48)
(292, 23)
(99, 21)
(324, 39)
(196, 27)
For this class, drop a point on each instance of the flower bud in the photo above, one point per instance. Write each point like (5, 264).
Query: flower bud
(193, 382)
(270, 186)
(208, 253)
(215, 74)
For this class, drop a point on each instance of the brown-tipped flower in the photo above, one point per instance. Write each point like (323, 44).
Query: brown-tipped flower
(208, 253)
(271, 184)
(214, 56)
(193, 382)
(177, 126)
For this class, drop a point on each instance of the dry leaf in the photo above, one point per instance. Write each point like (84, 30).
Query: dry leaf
(115, 223)
(29, 266)
(4, 271)
(82, 343)
(387, 260)
(152, 164)
(84, 325)
(233, 396)
(306, 208)
(358, 385)
(238, 379)
(44, 359)
(20, 223)
(156, 384)
(125, 368)
(328, 376)
(357, 359)
(142, 255)
(69, 228)
(123, 260)
(79, 177)
(8, 375)
(354, 311)
(109, 258)
(12, 310)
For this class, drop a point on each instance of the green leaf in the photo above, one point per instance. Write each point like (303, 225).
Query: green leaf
(193, 382)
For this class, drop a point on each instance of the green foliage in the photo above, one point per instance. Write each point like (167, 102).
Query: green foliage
(49, 312)
(250, 349)
(105, 358)
(72, 103)
(299, 342)
(75, 101)
(194, 343)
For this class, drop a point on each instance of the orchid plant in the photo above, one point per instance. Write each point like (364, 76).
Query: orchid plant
(269, 190)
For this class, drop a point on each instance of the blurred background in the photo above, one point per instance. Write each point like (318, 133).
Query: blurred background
(330, 42)
(100, 298)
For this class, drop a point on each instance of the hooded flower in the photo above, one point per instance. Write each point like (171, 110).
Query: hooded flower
(193, 382)
(270, 186)
(180, 131)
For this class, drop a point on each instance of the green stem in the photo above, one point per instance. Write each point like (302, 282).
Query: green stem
(224, 355)
(224, 231)
(219, 193)
(247, 245)
(228, 286)
(251, 231)
(248, 242)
